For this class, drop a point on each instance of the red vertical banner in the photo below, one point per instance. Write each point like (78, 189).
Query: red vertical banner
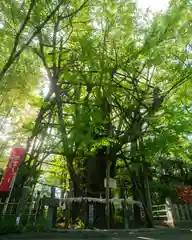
(16, 156)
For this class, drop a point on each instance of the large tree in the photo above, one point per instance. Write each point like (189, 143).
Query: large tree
(111, 74)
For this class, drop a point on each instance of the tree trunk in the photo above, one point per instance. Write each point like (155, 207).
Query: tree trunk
(76, 206)
(136, 197)
(147, 198)
(96, 170)
(94, 179)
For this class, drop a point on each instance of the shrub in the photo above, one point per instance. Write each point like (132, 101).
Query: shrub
(8, 225)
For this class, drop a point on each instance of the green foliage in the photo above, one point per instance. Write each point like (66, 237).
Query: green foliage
(8, 225)
(56, 173)
(3, 162)
(116, 82)
(79, 224)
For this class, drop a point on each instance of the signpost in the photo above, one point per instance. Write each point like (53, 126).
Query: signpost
(112, 183)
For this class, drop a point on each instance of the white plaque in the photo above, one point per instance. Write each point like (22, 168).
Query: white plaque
(112, 183)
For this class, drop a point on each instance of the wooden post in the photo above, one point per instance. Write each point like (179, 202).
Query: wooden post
(50, 214)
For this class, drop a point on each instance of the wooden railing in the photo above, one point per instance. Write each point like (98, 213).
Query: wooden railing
(159, 212)
(172, 214)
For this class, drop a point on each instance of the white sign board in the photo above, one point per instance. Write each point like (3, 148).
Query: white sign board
(112, 183)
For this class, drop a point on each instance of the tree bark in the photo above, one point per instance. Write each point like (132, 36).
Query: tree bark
(136, 197)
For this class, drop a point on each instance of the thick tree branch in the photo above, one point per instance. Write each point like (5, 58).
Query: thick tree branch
(16, 54)
(17, 38)
(179, 83)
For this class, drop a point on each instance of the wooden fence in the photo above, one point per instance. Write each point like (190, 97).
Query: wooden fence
(30, 210)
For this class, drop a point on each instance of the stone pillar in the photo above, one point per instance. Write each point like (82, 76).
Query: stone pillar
(170, 213)
(91, 215)
(130, 215)
(186, 210)
(190, 210)
(50, 213)
(176, 213)
(126, 222)
(181, 212)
